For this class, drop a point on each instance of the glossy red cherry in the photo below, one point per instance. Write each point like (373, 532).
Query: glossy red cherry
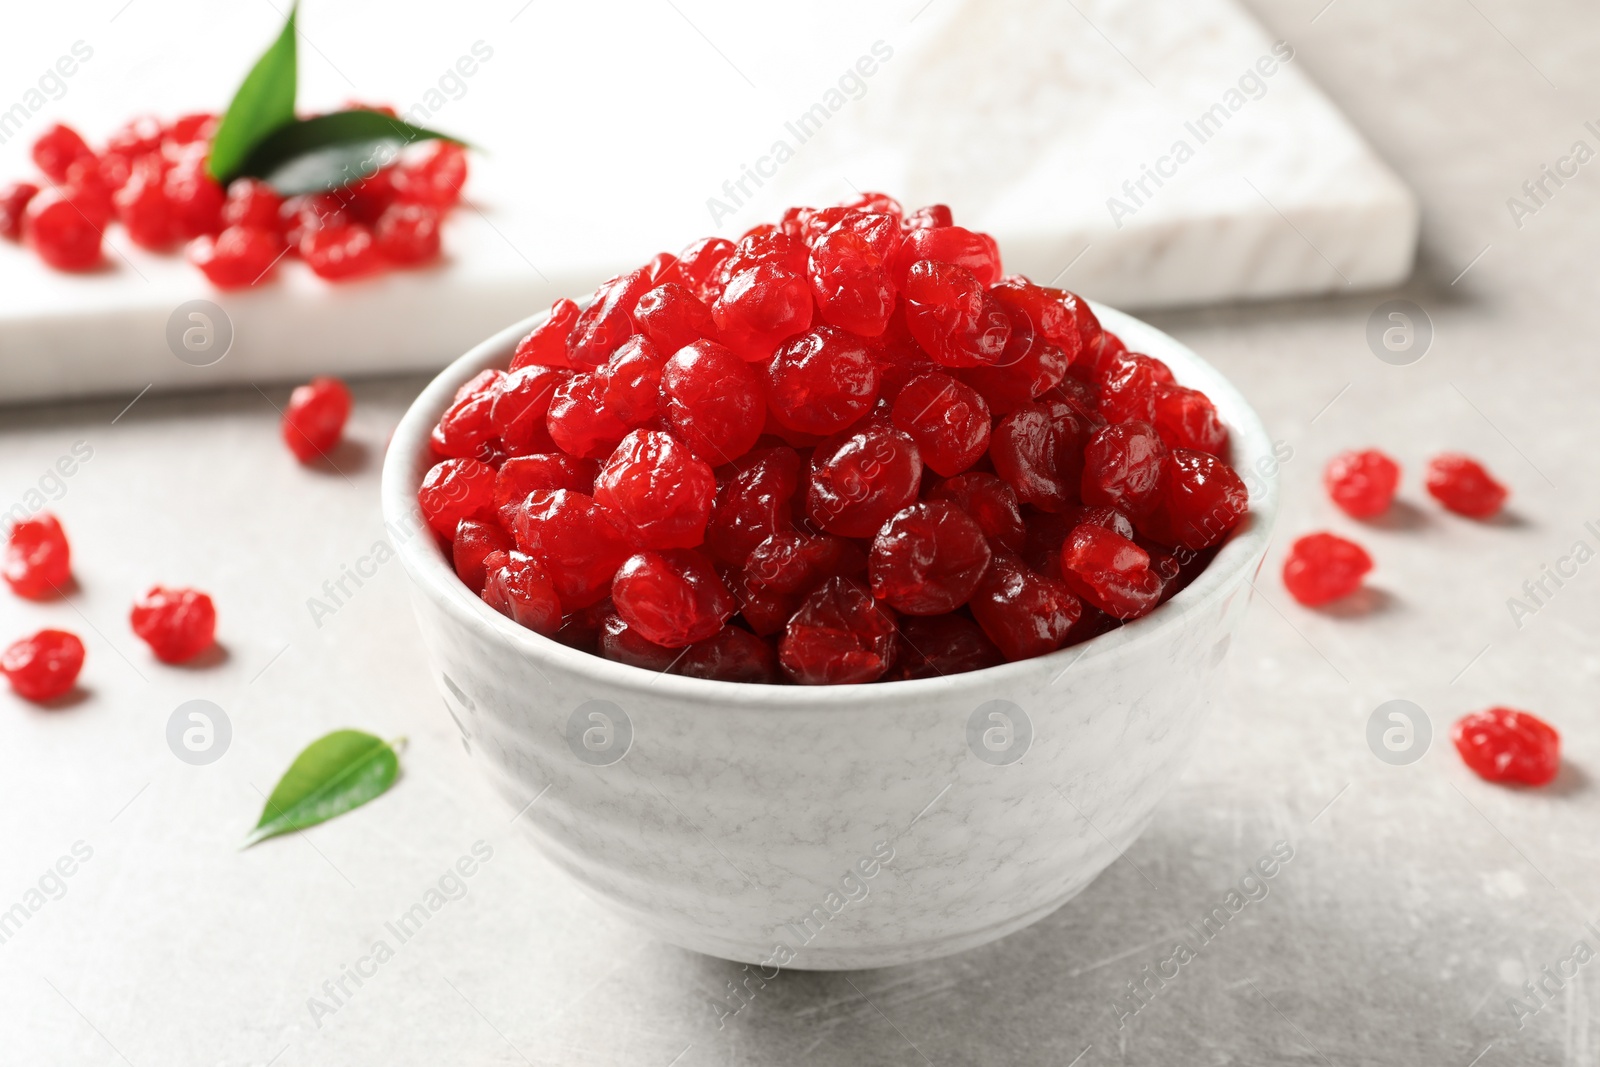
(731, 655)
(673, 598)
(753, 503)
(991, 503)
(1506, 745)
(1362, 483)
(474, 543)
(456, 489)
(760, 307)
(238, 257)
(1110, 572)
(177, 624)
(933, 646)
(580, 546)
(38, 561)
(839, 636)
(59, 231)
(860, 478)
(712, 401)
(1025, 614)
(657, 493)
(1462, 485)
(518, 587)
(947, 419)
(14, 200)
(1322, 567)
(1199, 503)
(822, 380)
(43, 666)
(314, 418)
(928, 559)
(1122, 466)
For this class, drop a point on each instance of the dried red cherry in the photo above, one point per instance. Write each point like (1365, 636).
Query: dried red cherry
(657, 493)
(314, 418)
(1362, 483)
(622, 643)
(407, 234)
(712, 401)
(43, 666)
(928, 559)
(519, 409)
(932, 646)
(340, 253)
(474, 543)
(955, 322)
(546, 343)
(578, 543)
(13, 202)
(851, 283)
(839, 636)
(608, 320)
(787, 567)
(60, 232)
(671, 316)
(760, 307)
(38, 560)
(822, 381)
(753, 504)
(456, 489)
(947, 419)
(1025, 614)
(974, 252)
(1323, 567)
(520, 475)
(518, 587)
(1122, 466)
(1461, 484)
(859, 478)
(578, 420)
(731, 655)
(238, 257)
(673, 598)
(467, 426)
(991, 503)
(1200, 501)
(1506, 745)
(1186, 418)
(1038, 450)
(177, 624)
(1110, 572)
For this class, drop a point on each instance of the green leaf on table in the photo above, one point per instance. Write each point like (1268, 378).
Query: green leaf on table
(329, 151)
(333, 775)
(263, 103)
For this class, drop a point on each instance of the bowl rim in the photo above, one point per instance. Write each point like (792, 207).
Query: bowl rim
(435, 577)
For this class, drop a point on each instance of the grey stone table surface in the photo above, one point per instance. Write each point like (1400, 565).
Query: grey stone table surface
(1418, 900)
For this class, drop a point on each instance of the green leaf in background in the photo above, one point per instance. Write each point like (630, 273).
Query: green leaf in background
(264, 102)
(333, 775)
(328, 151)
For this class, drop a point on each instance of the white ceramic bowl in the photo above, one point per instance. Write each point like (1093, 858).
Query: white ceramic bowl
(833, 827)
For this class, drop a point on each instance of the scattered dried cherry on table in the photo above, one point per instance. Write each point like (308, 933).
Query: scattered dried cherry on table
(1322, 567)
(845, 448)
(38, 560)
(1462, 484)
(44, 666)
(177, 624)
(1362, 483)
(314, 418)
(1506, 745)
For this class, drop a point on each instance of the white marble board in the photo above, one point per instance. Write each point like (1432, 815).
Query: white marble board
(608, 144)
